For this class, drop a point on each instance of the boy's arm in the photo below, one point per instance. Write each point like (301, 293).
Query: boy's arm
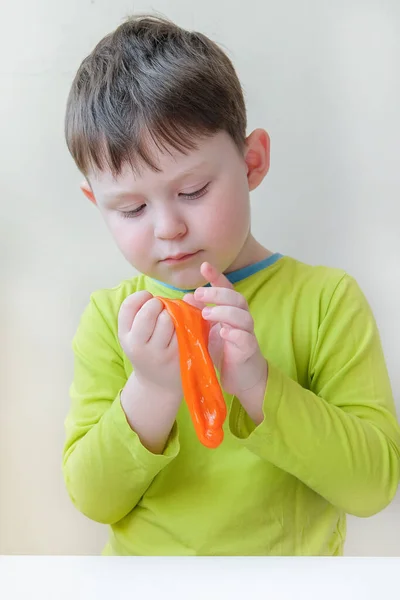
(106, 466)
(341, 438)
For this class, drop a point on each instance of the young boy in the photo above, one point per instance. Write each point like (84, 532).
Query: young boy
(156, 122)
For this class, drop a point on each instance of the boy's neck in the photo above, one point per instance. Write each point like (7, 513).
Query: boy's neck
(251, 253)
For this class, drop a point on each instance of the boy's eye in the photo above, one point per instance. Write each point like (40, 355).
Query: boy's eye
(192, 196)
(197, 194)
(133, 213)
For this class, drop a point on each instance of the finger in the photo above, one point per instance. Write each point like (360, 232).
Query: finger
(244, 341)
(145, 321)
(215, 277)
(215, 345)
(163, 330)
(230, 315)
(129, 309)
(173, 344)
(190, 299)
(221, 296)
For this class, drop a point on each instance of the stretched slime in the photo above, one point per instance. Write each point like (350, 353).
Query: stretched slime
(201, 389)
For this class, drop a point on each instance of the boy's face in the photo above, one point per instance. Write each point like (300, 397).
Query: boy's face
(195, 209)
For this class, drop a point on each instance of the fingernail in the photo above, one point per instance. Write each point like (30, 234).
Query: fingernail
(206, 311)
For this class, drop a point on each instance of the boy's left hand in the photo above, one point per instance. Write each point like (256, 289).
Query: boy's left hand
(233, 345)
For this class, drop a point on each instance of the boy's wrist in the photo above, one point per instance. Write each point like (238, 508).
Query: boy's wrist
(150, 411)
(155, 390)
(252, 400)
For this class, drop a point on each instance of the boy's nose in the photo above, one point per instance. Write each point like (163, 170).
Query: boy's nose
(169, 226)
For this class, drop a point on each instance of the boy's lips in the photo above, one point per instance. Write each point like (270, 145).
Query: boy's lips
(182, 256)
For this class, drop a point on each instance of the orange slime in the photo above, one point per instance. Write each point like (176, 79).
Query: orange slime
(201, 389)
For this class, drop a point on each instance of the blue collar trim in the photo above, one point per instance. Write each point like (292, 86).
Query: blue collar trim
(235, 276)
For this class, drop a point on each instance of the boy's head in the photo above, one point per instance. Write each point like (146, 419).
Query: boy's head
(156, 121)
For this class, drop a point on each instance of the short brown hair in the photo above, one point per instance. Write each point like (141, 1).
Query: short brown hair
(150, 80)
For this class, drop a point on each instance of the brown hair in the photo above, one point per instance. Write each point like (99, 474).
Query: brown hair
(150, 81)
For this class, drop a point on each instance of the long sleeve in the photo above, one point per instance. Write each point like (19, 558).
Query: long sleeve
(105, 466)
(340, 437)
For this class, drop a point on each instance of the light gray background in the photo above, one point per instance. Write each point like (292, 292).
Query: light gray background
(322, 77)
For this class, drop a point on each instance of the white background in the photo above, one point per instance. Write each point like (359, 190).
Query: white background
(322, 77)
(216, 578)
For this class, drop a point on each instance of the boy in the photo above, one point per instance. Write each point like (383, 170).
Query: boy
(156, 122)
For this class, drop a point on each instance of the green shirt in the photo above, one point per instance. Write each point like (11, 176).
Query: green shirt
(329, 443)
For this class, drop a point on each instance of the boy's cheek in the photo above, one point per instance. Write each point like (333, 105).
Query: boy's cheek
(230, 216)
(132, 242)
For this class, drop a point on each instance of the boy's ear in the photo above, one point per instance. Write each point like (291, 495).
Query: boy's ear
(87, 190)
(257, 157)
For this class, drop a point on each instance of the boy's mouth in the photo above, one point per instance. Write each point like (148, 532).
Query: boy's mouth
(177, 258)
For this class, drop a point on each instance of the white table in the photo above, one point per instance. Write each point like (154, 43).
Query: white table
(98, 578)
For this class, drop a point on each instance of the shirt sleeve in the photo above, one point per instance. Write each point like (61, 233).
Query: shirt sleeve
(340, 437)
(105, 466)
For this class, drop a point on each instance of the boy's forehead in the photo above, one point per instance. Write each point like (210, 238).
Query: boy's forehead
(173, 166)
(128, 177)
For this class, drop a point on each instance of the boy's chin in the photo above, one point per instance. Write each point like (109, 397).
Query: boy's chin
(187, 279)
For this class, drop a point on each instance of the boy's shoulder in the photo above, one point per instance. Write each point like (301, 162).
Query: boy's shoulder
(314, 277)
(319, 288)
(308, 270)
(290, 274)
(294, 285)
(108, 300)
(98, 323)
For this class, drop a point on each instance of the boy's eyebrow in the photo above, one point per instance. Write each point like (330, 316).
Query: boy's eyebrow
(189, 171)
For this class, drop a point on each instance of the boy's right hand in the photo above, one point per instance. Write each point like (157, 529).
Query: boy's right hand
(148, 338)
